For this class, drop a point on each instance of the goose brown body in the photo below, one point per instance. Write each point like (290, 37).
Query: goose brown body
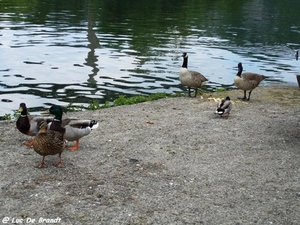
(190, 78)
(247, 81)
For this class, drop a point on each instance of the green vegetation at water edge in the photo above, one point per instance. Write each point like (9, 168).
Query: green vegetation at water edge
(95, 105)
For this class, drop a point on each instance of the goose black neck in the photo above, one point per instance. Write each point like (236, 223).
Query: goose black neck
(185, 62)
(240, 70)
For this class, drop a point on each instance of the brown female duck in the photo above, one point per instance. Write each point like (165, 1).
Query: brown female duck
(50, 141)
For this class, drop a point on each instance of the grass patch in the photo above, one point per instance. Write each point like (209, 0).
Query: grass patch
(220, 89)
(8, 116)
(123, 100)
(95, 105)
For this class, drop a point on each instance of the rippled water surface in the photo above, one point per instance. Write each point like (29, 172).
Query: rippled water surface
(74, 52)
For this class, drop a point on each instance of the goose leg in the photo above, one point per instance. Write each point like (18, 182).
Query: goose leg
(196, 91)
(249, 95)
(245, 97)
(189, 91)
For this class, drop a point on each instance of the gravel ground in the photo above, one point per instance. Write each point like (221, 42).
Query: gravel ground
(170, 161)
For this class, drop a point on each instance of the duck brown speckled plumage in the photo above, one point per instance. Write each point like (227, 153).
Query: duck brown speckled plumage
(50, 141)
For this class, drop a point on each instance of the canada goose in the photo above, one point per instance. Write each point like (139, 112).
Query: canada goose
(297, 54)
(247, 81)
(224, 107)
(189, 78)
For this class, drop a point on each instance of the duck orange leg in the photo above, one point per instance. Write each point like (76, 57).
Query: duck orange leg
(225, 115)
(59, 163)
(28, 143)
(75, 147)
(42, 164)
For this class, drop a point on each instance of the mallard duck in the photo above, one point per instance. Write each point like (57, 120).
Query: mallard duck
(224, 107)
(247, 81)
(76, 129)
(28, 125)
(50, 141)
(189, 78)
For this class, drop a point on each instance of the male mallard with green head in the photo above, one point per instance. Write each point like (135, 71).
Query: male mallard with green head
(28, 124)
(76, 129)
(50, 141)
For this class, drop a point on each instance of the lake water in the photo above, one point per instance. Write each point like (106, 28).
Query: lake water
(60, 52)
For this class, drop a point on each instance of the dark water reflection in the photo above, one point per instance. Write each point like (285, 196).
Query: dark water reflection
(57, 52)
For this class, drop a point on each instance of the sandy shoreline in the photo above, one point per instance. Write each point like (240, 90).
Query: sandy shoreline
(170, 161)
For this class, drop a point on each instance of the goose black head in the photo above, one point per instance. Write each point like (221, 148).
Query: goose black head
(184, 55)
(240, 69)
(227, 98)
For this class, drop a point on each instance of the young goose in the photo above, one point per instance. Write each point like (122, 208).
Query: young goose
(224, 107)
(247, 81)
(27, 124)
(189, 78)
(50, 141)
